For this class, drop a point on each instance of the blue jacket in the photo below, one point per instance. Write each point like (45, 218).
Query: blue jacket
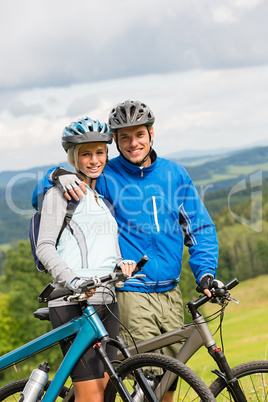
(158, 210)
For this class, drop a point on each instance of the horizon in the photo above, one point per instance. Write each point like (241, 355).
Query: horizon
(196, 154)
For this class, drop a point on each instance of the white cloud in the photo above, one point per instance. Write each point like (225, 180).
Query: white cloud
(247, 4)
(200, 64)
(194, 110)
(19, 108)
(223, 15)
(80, 105)
(45, 44)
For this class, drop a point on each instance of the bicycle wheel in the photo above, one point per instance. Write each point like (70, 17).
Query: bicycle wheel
(253, 380)
(12, 391)
(189, 385)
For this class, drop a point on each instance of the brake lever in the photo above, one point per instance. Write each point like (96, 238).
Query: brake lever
(233, 300)
(76, 297)
(121, 284)
(221, 294)
(138, 276)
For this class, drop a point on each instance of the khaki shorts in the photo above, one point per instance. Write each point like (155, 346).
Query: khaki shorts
(147, 315)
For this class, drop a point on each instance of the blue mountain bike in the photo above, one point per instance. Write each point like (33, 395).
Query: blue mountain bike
(137, 378)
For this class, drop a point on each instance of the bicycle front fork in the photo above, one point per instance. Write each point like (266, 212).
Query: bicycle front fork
(226, 374)
(115, 379)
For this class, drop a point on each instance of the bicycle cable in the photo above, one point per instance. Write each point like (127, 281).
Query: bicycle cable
(120, 322)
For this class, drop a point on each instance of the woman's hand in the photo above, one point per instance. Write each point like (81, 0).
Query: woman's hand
(90, 293)
(75, 287)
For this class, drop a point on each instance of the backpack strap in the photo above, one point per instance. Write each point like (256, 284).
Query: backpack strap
(71, 207)
(109, 206)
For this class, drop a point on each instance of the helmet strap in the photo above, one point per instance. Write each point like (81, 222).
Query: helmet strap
(83, 174)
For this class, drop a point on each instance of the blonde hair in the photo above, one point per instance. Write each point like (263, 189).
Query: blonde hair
(72, 155)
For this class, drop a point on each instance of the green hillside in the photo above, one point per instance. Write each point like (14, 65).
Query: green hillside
(23, 176)
(224, 171)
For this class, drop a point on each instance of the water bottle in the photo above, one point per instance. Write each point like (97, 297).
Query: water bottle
(35, 385)
(137, 393)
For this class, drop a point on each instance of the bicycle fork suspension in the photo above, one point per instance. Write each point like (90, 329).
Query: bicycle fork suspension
(226, 374)
(117, 381)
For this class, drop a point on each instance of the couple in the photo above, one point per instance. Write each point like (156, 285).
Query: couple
(157, 210)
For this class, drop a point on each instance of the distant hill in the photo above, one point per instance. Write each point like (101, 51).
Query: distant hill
(195, 157)
(216, 177)
(22, 176)
(192, 157)
(222, 173)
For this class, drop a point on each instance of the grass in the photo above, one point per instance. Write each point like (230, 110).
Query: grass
(233, 172)
(243, 170)
(5, 247)
(245, 328)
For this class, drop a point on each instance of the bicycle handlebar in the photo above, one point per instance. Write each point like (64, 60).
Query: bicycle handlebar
(116, 276)
(50, 293)
(221, 293)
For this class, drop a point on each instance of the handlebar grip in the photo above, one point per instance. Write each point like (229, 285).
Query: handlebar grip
(91, 283)
(230, 285)
(140, 264)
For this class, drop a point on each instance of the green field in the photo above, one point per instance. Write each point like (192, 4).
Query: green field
(233, 172)
(245, 328)
(4, 247)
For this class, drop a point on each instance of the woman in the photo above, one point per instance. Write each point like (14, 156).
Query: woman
(88, 247)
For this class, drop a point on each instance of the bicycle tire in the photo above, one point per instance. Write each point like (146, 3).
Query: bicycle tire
(12, 391)
(188, 382)
(253, 380)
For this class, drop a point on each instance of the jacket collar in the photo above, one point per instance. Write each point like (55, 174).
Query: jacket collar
(136, 169)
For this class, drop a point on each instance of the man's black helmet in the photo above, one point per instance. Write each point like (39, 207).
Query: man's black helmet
(130, 113)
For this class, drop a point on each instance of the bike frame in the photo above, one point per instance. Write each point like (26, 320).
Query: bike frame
(197, 334)
(88, 329)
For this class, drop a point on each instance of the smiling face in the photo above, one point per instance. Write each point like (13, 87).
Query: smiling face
(134, 143)
(92, 159)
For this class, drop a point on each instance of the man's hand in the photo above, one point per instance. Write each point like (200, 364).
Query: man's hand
(127, 266)
(71, 184)
(207, 282)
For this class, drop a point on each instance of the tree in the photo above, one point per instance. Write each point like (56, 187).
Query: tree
(20, 285)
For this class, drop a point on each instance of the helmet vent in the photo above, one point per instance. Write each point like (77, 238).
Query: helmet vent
(123, 114)
(132, 112)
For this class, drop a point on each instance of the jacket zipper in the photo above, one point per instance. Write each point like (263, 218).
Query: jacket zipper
(155, 214)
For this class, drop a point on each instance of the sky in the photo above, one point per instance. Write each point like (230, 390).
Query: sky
(201, 65)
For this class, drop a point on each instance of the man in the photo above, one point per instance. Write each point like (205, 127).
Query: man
(158, 210)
